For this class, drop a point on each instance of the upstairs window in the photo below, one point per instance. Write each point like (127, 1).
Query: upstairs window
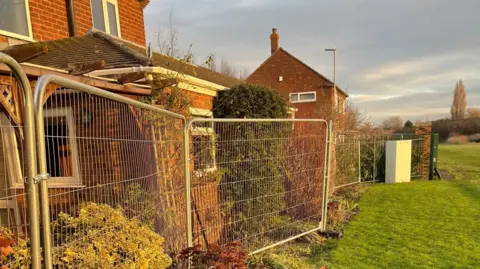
(15, 19)
(303, 97)
(105, 16)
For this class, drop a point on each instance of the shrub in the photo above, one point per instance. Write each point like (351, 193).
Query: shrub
(250, 101)
(248, 155)
(102, 237)
(14, 252)
(457, 139)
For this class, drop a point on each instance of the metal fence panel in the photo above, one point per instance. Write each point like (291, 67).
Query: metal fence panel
(19, 221)
(348, 165)
(362, 158)
(260, 182)
(100, 152)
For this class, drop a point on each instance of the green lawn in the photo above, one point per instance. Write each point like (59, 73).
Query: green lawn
(423, 224)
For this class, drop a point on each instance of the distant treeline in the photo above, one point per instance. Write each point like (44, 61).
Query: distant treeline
(446, 127)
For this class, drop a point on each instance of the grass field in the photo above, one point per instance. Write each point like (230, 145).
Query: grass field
(423, 224)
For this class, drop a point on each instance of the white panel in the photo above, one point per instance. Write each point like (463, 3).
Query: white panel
(398, 161)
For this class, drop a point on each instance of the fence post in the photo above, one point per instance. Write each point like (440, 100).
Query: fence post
(329, 168)
(359, 162)
(31, 164)
(188, 205)
(374, 160)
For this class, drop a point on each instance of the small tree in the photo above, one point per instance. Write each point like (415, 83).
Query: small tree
(459, 104)
(408, 124)
(394, 122)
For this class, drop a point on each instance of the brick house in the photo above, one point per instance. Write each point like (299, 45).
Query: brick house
(307, 90)
(99, 43)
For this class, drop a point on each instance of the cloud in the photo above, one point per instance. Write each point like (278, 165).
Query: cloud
(394, 57)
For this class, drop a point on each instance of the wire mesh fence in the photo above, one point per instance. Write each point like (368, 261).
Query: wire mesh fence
(19, 229)
(116, 179)
(260, 182)
(13, 200)
(348, 162)
(362, 158)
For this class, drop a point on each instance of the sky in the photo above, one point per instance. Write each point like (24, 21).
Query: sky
(394, 57)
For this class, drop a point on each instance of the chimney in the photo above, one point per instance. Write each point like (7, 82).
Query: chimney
(274, 40)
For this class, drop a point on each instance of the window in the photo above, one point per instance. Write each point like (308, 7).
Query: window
(203, 142)
(105, 16)
(10, 175)
(9, 151)
(61, 147)
(303, 97)
(15, 19)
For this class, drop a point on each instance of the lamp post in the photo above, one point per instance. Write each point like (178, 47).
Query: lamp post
(334, 50)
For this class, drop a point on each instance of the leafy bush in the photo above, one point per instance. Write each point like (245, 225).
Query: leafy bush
(14, 251)
(250, 154)
(250, 101)
(102, 237)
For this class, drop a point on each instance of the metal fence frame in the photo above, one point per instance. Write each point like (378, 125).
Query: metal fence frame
(326, 172)
(379, 141)
(39, 94)
(31, 162)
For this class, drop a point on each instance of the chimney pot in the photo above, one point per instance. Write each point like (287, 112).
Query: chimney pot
(274, 40)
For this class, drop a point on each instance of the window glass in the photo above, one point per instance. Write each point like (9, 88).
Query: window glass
(59, 157)
(294, 97)
(13, 17)
(112, 19)
(98, 15)
(307, 96)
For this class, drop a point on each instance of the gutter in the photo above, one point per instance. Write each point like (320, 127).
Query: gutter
(38, 71)
(71, 18)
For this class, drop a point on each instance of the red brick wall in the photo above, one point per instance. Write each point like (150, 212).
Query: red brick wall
(49, 19)
(199, 100)
(425, 129)
(296, 78)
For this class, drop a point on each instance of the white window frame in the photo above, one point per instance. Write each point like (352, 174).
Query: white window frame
(302, 101)
(105, 15)
(29, 25)
(11, 154)
(75, 180)
(197, 131)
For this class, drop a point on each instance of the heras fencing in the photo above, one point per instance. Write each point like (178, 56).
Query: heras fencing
(112, 177)
(261, 182)
(361, 158)
(122, 182)
(19, 222)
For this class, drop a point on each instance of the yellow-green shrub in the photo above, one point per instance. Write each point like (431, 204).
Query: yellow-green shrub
(102, 237)
(14, 252)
